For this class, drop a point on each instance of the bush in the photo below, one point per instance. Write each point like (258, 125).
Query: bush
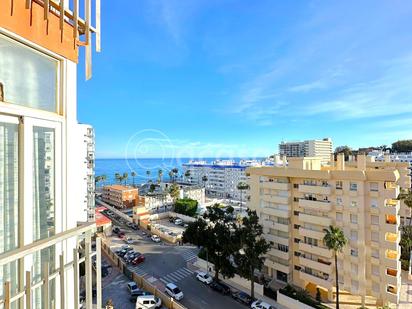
(405, 264)
(186, 206)
(302, 296)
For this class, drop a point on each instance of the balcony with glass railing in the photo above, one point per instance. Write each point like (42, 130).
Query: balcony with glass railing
(315, 188)
(313, 203)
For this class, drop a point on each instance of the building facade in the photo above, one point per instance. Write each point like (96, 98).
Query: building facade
(120, 196)
(310, 148)
(296, 203)
(45, 219)
(222, 176)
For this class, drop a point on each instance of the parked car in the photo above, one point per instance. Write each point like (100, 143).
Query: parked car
(116, 230)
(132, 287)
(135, 226)
(129, 240)
(178, 221)
(121, 234)
(172, 219)
(148, 301)
(242, 298)
(174, 291)
(138, 258)
(220, 287)
(204, 277)
(135, 295)
(155, 238)
(261, 305)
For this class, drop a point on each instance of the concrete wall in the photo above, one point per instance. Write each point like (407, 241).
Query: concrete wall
(116, 211)
(290, 302)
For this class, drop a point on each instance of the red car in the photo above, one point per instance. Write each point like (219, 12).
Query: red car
(121, 234)
(139, 259)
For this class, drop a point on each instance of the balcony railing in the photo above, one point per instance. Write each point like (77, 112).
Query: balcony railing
(83, 232)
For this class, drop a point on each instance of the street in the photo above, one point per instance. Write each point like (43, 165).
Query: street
(168, 263)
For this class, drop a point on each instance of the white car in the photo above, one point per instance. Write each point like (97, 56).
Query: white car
(174, 291)
(203, 277)
(155, 238)
(178, 221)
(148, 302)
(132, 287)
(261, 305)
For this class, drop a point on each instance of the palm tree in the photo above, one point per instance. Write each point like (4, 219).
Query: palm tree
(97, 179)
(117, 177)
(125, 177)
(204, 179)
(171, 176)
(187, 174)
(242, 186)
(406, 197)
(159, 175)
(133, 177)
(175, 172)
(148, 175)
(335, 240)
(104, 178)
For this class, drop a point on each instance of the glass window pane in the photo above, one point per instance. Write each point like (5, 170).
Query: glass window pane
(9, 204)
(27, 77)
(43, 183)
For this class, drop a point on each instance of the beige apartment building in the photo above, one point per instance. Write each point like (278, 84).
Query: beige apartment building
(296, 202)
(120, 196)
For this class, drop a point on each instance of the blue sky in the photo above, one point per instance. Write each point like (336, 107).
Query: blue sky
(234, 78)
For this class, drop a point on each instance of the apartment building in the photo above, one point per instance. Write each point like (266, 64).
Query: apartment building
(187, 190)
(120, 196)
(310, 148)
(297, 202)
(223, 176)
(45, 222)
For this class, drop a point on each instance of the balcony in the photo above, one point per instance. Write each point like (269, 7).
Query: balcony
(275, 199)
(277, 266)
(324, 206)
(279, 254)
(275, 225)
(315, 250)
(276, 239)
(276, 212)
(65, 272)
(325, 283)
(324, 221)
(391, 190)
(323, 267)
(311, 233)
(275, 185)
(314, 189)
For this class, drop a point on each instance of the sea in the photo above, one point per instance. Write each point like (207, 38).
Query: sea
(110, 167)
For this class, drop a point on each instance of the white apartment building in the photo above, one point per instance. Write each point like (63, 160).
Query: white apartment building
(46, 158)
(223, 176)
(310, 148)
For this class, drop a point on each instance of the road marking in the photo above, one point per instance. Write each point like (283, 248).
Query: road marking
(164, 281)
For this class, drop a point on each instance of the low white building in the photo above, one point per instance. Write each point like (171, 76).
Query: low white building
(188, 190)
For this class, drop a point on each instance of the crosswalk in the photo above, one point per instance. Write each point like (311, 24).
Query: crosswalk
(138, 269)
(177, 275)
(189, 255)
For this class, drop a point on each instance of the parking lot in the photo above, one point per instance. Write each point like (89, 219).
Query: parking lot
(169, 227)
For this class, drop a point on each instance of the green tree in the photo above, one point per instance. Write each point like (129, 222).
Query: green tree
(170, 176)
(242, 186)
(204, 180)
(186, 206)
(406, 197)
(174, 191)
(159, 175)
(215, 233)
(125, 178)
(97, 179)
(118, 177)
(148, 175)
(133, 177)
(402, 146)
(152, 187)
(253, 248)
(104, 179)
(175, 172)
(346, 150)
(335, 240)
(187, 175)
